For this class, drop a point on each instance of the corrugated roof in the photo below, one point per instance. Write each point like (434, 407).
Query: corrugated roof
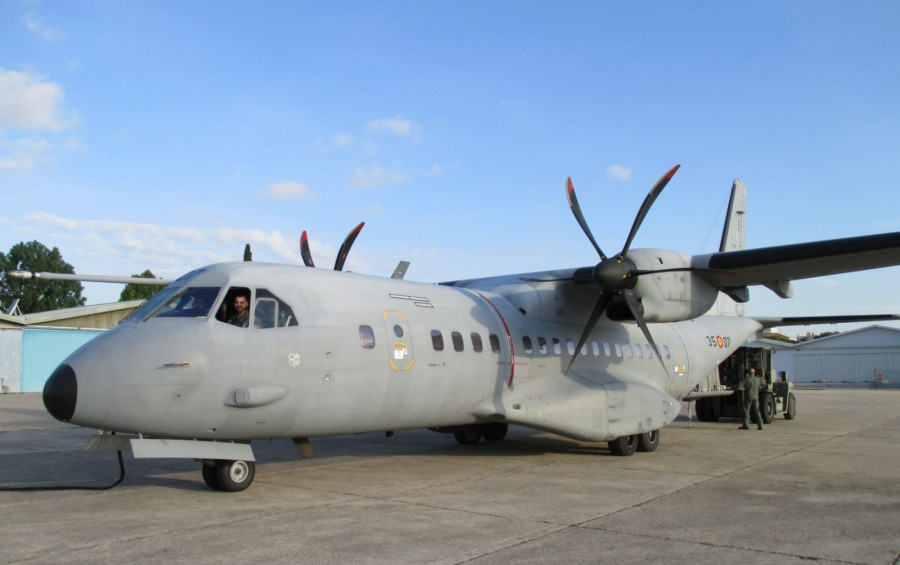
(66, 313)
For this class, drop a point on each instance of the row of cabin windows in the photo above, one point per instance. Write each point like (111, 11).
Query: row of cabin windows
(641, 351)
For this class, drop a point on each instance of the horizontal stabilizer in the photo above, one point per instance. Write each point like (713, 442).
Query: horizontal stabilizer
(811, 320)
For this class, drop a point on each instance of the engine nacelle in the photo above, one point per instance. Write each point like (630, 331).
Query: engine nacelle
(670, 296)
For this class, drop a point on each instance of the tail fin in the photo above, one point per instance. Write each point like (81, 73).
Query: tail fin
(734, 238)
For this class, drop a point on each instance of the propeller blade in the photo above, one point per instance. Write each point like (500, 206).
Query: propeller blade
(645, 207)
(635, 308)
(599, 308)
(248, 255)
(345, 247)
(576, 209)
(304, 250)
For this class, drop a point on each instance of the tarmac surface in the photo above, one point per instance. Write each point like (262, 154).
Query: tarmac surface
(824, 487)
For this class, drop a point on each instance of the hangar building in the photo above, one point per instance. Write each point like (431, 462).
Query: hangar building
(32, 345)
(865, 355)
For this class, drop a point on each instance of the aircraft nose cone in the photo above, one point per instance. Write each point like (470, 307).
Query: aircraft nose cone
(61, 392)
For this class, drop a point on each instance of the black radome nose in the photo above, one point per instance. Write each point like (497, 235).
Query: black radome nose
(61, 393)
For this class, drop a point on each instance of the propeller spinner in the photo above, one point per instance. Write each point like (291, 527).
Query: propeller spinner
(616, 275)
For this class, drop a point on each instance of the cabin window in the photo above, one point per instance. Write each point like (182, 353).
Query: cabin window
(595, 348)
(667, 352)
(194, 302)
(457, 340)
(557, 348)
(272, 312)
(495, 343)
(477, 346)
(570, 347)
(618, 350)
(628, 352)
(398, 330)
(649, 350)
(542, 345)
(639, 351)
(437, 340)
(606, 349)
(366, 337)
(526, 341)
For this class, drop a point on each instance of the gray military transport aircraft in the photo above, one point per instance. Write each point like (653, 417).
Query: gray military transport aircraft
(600, 353)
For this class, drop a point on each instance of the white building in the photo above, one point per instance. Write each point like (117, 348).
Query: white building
(856, 356)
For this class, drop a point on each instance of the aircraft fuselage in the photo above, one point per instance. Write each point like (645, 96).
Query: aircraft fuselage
(359, 354)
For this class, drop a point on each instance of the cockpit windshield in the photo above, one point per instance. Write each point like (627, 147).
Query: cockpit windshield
(193, 302)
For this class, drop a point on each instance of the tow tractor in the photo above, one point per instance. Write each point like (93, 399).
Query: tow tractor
(719, 396)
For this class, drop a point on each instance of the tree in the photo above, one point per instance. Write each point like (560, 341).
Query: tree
(140, 291)
(37, 295)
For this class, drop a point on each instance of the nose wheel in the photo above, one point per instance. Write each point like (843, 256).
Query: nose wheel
(228, 476)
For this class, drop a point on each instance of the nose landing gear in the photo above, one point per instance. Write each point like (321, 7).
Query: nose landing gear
(228, 476)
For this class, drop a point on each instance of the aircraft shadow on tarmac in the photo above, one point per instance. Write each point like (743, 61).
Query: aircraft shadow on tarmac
(56, 458)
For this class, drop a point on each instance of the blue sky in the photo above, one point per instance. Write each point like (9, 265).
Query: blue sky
(165, 135)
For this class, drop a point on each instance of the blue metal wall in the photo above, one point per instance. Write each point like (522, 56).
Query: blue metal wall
(45, 348)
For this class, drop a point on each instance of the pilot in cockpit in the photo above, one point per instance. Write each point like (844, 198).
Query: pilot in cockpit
(241, 316)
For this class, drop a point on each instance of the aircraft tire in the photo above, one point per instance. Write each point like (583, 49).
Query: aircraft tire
(791, 411)
(648, 442)
(700, 409)
(209, 476)
(767, 407)
(234, 476)
(623, 446)
(467, 435)
(494, 432)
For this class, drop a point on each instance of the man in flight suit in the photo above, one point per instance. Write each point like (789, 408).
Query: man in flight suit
(751, 399)
(241, 315)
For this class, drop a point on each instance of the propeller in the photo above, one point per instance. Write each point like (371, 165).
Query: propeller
(342, 252)
(617, 275)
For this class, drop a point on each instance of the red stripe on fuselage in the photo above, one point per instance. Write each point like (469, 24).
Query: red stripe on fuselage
(509, 339)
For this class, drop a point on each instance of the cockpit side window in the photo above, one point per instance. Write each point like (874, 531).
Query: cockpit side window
(235, 308)
(272, 312)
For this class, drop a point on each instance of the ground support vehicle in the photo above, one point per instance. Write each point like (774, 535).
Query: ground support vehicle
(722, 395)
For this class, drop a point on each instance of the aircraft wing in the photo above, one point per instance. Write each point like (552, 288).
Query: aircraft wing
(775, 267)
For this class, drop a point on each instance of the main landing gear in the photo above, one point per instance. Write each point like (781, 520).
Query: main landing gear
(468, 435)
(623, 446)
(627, 445)
(228, 476)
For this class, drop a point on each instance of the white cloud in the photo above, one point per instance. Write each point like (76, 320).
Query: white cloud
(436, 171)
(113, 247)
(343, 139)
(29, 103)
(618, 172)
(27, 152)
(376, 177)
(288, 190)
(397, 125)
(43, 31)
(17, 161)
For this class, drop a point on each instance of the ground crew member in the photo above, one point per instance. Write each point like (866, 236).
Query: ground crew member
(751, 400)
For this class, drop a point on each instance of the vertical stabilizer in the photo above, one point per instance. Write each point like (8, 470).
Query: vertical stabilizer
(734, 236)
